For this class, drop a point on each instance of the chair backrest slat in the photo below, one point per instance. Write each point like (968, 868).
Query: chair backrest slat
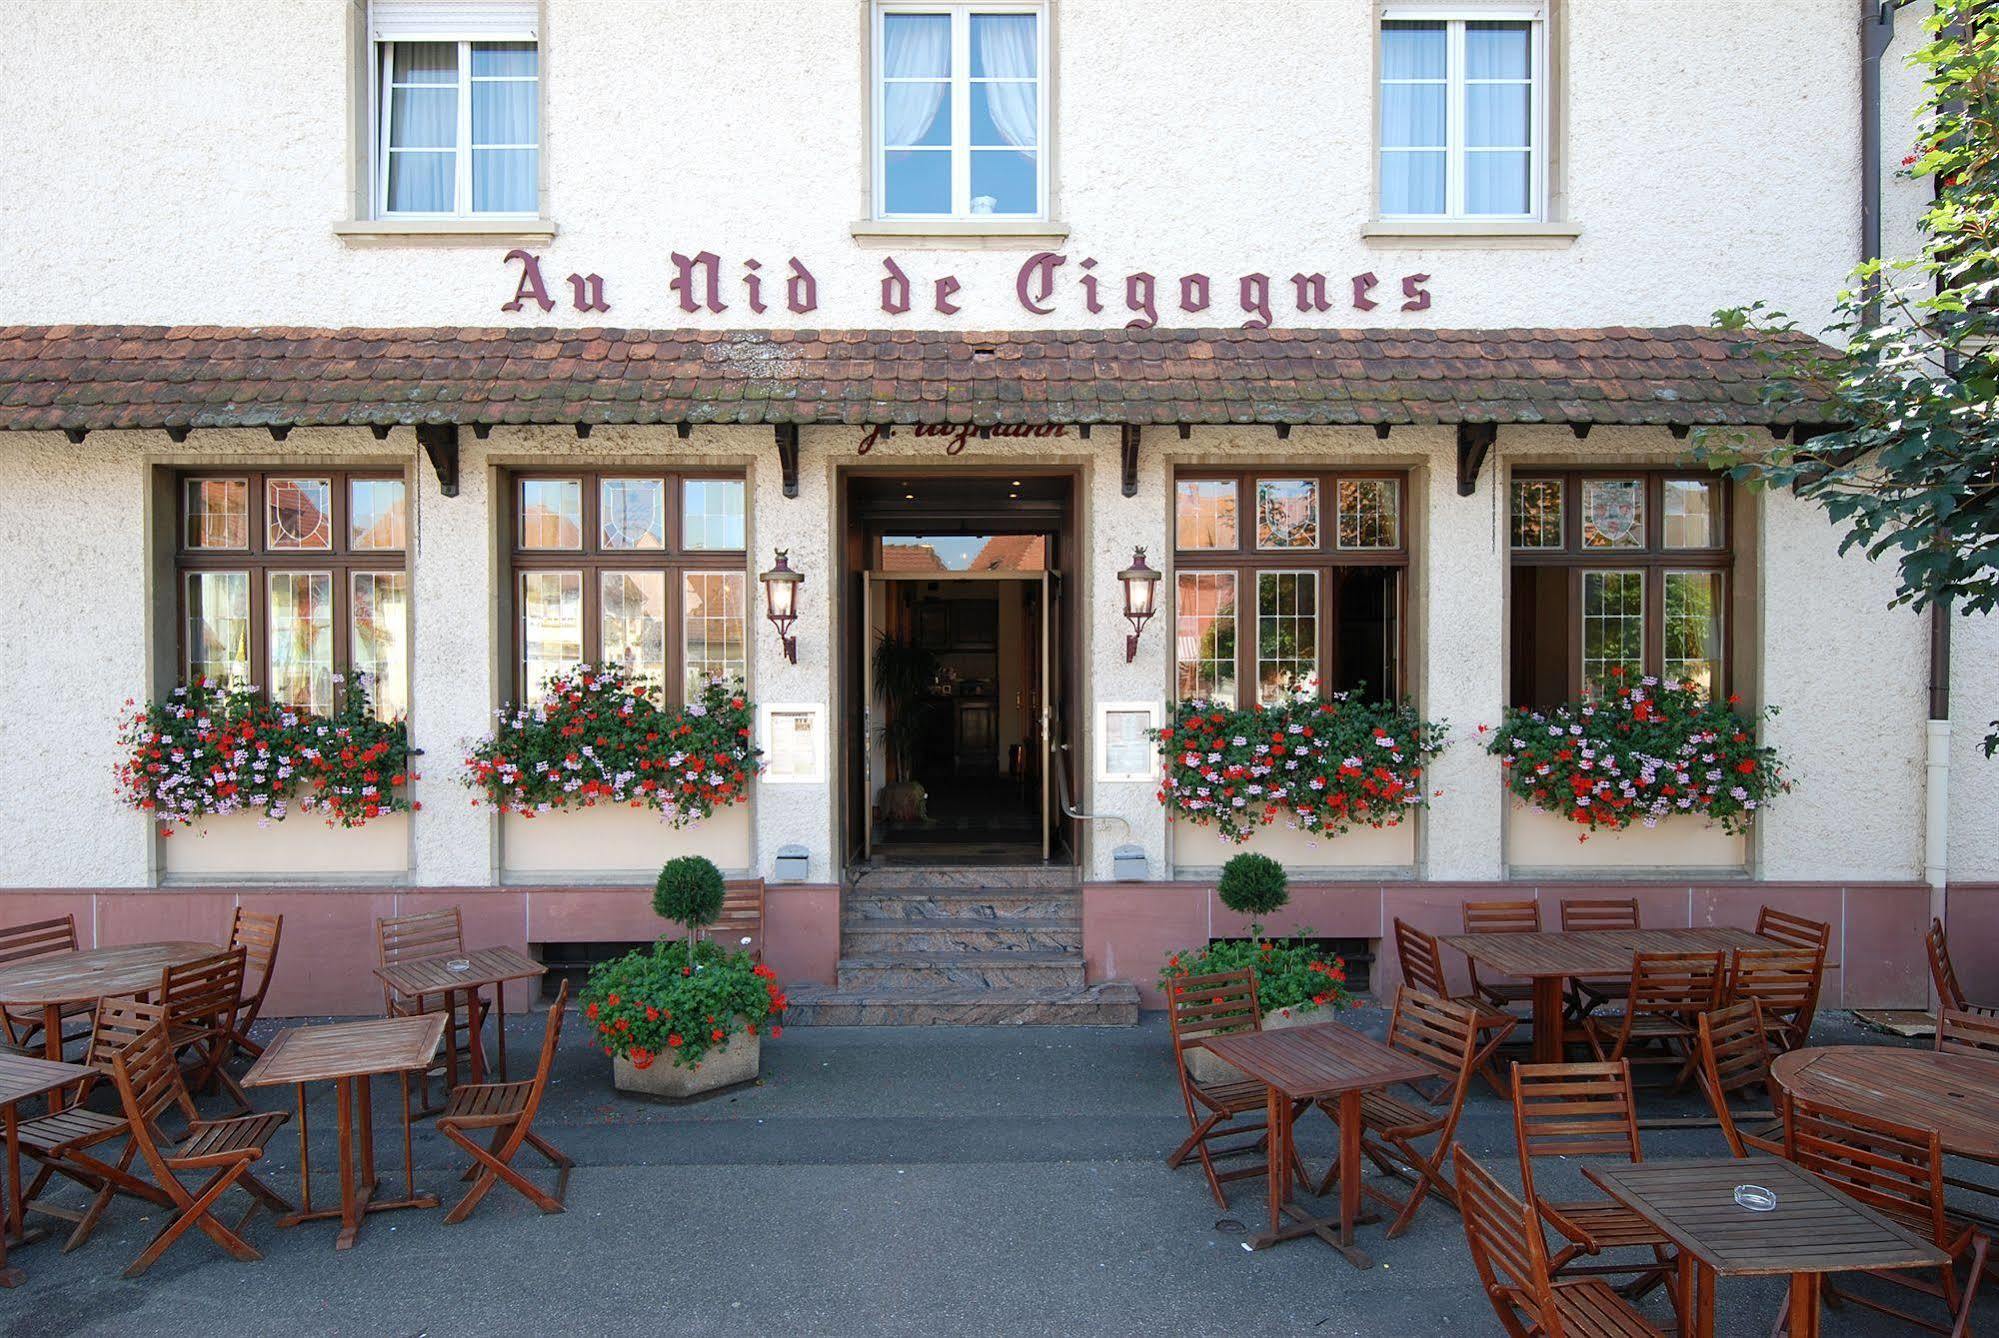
(41, 938)
(1895, 1168)
(1678, 984)
(1784, 980)
(1793, 931)
(1968, 1034)
(199, 992)
(148, 1081)
(1735, 1054)
(1422, 959)
(117, 1024)
(1502, 917)
(551, 1033)
(257, 935)
(1198, 1007)
(1950, 994)
(1580, 914)
(406, 938)
(1433, 1029)
(1573, 1110)
(1506, 1248)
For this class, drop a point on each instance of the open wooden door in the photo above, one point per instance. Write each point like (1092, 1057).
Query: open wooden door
(869, 722)
(1050, 756)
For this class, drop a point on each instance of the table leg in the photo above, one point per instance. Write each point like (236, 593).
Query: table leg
(365, 1109)
(304, 1161)
(1549, 1026)
(1804, 1317)
(500, 1025)
(350, 1191)
(1277, 1118)
(1703, 1302)
(354, 1109)
(477, 1045)
(52, 1047)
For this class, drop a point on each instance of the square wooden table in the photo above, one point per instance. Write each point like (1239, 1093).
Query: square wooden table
(1551, 959)
(21, 1079)
(1305, 1064)
(428, 976)
(1814, 1230)
(348, 1054)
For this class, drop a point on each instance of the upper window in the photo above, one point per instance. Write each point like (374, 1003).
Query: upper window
(643, 571)
(960, 110)
(458, 111)
(296, 580)
(1617, 577)
(1461, 119)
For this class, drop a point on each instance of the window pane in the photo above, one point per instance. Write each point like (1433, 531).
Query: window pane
(424, 63)
(1413, 50)
(1370, 514)
(1613, 513)
(552, 513)
(302, 639)
(1690, 514)
(711, 514)
(422, 183)
(379, 645)
(423, 118)
(1367, 638)
(1693, 629)
(1498, 182)
(218, 513)
(712, 628)
(1497, 115)
(1287, 636)
(1613, 630)
(1287, 513)
(1003, 46)
(634, 626)
(918, 181)
(1537, 513)
(1412, 183)
(1498, 51)
(505, 60)
(916, 46)
(218, 627)
(1204, 514)
(916, 115)
(506, 181)
(1412, 116)
(298, 515)
(1005, 181)
(504, 111)
(1204, 635)
(1006, 115)
(551, 627)
(632, 513)
(377, 515)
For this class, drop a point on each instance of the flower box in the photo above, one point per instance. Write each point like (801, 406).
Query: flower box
(1199, 851)
(609, 842)
(1537, 839)
(249, 844)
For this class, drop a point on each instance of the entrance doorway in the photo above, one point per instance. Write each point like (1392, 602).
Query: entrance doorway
(957, 651)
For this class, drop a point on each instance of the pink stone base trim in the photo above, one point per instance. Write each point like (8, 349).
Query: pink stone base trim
(1129, 928)
(327, 956)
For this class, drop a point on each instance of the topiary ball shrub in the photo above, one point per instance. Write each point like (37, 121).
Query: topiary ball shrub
(1253, 885)
(689, 892)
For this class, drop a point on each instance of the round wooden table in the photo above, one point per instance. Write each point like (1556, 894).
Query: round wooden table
(65, 980)
(1956, 1095)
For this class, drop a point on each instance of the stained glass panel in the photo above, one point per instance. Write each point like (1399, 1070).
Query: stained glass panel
(1613, 513)
(298, 515)
(1287, 513)
(632, 513)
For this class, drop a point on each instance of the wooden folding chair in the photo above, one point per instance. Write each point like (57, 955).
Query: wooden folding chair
(1586, 914)
(508, 1110)
(202, 999)
(1422, 960)
(24, 943)
(1443, 1034)
(1950, 994)
(63, 1142)
(1501, 917)
(1793, 931)
(1968, 1034)
(1669, 991)
(149, 1080)
(406, 938)
(257, 935)
(1586, 1110)
(1897, 1170)
(1198, 1007)
(1512, 1263)
(1735, 1056)
(1785, 981)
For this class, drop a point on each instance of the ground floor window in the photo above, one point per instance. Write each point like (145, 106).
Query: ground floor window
(1617, 577)
(1287, 583)
(294, 580)
(640, 570)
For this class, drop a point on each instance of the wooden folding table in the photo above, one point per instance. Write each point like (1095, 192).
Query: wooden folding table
(22, 1078)
(429, 976)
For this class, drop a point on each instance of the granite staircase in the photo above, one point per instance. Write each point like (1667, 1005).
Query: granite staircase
(966, 946)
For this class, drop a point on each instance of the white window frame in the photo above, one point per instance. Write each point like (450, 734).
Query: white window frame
(1456, 14)
(1154, 713)
(383, 68)
(960, 12)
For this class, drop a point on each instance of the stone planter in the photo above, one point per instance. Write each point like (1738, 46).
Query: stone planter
(734, 1063)
(1204, 1067)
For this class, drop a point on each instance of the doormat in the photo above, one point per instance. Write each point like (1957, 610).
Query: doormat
(1910, 1023)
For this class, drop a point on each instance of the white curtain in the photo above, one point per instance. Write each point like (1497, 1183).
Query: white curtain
(1413, 102)
(423, 127)
(1007, 50)
(915, 47)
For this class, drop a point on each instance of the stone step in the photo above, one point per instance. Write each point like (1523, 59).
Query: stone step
(891, 876)
(1113, 1003)
(870, 906)
(1027, 971)
(898, 938)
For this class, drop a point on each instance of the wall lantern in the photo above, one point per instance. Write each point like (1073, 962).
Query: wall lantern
(1141, 585)
(781, 602)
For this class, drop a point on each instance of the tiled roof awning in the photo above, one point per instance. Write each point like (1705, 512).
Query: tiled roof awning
(87, 378)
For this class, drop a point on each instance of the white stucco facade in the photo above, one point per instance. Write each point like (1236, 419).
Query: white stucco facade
(1699, 156)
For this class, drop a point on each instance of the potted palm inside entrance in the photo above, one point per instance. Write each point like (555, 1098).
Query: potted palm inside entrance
(903, 672)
